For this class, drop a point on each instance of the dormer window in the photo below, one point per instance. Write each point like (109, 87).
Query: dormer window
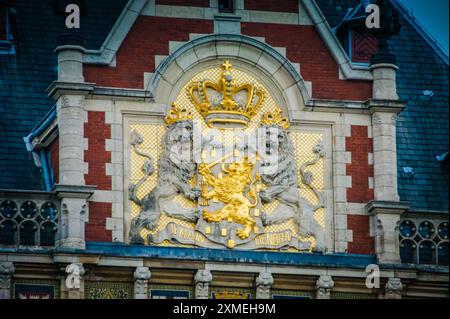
(226, 6)
(360, 46)
(351, 32)
(6, 37)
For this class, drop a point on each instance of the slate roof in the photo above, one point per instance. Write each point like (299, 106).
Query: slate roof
(422, 129)
(25, 76)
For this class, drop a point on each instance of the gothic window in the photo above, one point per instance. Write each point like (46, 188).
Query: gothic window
(28, 223)
(6, 37)
(426, 243)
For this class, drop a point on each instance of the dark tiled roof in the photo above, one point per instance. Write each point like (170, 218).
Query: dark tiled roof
(25, 76)
(422, 131)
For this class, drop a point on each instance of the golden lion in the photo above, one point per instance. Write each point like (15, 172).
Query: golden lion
(230, 189)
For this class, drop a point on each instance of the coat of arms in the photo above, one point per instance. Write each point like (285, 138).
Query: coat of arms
(228, 171)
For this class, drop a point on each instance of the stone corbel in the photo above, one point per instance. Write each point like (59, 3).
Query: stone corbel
(263, 284)
(74, 208)
(386, 220)
(74, 281)
(202, 279)
(141, 277)
(393, 289)
(7, 270)
(323, 287)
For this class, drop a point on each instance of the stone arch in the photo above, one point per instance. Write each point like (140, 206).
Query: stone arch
(251, 55)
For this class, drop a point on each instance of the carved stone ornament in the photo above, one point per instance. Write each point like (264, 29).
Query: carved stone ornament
(75, 272)
(141, 277)
(323, 287)
(263, 284)
(202, 279)
(394, 288)
(215, 197)
(6, 271)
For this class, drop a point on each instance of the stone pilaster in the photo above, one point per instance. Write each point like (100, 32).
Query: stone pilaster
(384, 81)
(386, 208)
(69, 92)
(70, 58)
(202, 279)
(393, 289)
(386, 221)
(74, 211)
(323, 287)
(6, 272)
(141, 277)
(263, 284)
(75, 281)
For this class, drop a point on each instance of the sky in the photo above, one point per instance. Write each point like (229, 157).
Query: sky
(433, 15)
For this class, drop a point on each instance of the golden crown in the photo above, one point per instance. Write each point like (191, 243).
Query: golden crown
(178, 113)
(275, 118)
(225, 101)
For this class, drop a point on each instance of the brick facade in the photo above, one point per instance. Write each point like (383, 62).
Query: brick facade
(97, 131)
(362, 242)
(359, 145)
(149, 36)
(304, 45)
(53, 149)
(96, 227)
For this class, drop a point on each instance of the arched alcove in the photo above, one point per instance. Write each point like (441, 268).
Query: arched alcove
(252, 56)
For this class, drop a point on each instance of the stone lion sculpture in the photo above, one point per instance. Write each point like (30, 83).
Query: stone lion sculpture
(176, 169)
(280, 179)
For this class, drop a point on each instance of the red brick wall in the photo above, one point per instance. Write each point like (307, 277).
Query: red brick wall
(271, 5)
(149, 37)
(362, 243)
(304, 45)
(359, 145)
(187, 3)
(53, 149)
(96, 228)
(96, 130)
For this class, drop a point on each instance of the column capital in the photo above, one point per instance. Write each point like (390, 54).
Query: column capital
(7, 270)
(202, 279)
(264, 282)
(141, 276)
(386, 207)
(323, 287)
(393, 289)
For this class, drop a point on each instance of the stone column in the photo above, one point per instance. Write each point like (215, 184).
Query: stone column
(386, 207)
(384, 81)
(393, 289)
(6, 272)
(141, 277)
(323, 287)
(75, 281)
(202, 279)
(263, 284)
(69, 91)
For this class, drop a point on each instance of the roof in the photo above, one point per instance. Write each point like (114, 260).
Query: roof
(25, 76)
(422, 129)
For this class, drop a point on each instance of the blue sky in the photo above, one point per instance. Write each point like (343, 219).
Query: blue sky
(433, 15)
